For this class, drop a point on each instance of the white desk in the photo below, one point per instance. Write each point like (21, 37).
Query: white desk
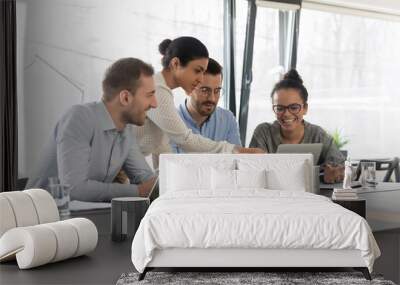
(383, 203)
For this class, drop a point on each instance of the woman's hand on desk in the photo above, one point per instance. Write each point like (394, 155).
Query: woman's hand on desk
(333, 174)
(239, 149)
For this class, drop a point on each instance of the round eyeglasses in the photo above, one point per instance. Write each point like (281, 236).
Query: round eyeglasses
(292, 108)
(207, 91)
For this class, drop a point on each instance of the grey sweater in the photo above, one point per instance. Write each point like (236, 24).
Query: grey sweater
(268, 136)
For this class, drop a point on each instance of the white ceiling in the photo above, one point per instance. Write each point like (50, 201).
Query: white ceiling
(383, 9)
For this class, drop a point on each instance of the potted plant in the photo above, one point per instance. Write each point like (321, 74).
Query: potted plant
(340, 141)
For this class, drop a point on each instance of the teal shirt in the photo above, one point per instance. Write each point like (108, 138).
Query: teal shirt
(86, 151)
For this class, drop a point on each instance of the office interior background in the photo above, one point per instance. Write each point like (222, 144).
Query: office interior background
(348, 58)
(347, 52)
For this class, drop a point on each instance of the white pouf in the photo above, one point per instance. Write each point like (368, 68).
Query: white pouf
(23, 208)
(30, 230)
(46, 208)
(37, 245)
(7, 218)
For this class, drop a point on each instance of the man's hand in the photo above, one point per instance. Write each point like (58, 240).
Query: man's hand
(145, 187)
(333, 174)
(121, 178)
(249, 150)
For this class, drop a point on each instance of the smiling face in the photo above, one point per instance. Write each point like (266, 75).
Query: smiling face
(205, 97)
(136, 105)
(289, 108)
(191, 75)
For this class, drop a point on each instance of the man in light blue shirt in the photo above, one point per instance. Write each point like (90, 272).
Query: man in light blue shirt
(201, 114)
(92, 142)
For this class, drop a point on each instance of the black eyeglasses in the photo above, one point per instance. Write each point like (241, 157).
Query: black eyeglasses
(292, 108)
(207, 91)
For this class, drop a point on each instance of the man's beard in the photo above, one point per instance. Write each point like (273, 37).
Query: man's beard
(129, 118)
(205, 113)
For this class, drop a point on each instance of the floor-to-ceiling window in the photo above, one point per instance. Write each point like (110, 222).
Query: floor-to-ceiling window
(266, 69)
(351, 66)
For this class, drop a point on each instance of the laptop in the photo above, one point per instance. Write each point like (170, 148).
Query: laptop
(314, 148)
(154, 192)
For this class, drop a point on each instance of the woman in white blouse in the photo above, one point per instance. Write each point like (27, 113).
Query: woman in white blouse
(184, 61)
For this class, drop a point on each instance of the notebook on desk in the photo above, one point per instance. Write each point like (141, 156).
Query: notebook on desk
(76, 205)
(314, 148)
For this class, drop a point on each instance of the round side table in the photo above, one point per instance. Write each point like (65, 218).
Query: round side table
(126, 214)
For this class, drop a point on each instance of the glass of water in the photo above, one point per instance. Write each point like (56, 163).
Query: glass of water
(61, 195)
(368, 174)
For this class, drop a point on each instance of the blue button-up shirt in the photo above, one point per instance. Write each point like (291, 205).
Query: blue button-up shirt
(86, 151)
(221, 125)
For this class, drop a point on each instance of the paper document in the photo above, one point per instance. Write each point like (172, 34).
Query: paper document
(76, 205)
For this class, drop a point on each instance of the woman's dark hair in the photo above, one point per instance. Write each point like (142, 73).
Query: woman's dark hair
(292, 80)
(184, 48)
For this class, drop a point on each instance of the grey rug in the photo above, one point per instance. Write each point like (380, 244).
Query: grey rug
(225, 278)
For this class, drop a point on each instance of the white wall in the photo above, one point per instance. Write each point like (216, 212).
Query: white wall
(64, 47)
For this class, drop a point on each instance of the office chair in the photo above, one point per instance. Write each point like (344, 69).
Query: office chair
(391, 166)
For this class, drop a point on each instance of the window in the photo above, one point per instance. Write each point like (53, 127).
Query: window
(265, 63)
(350, 66)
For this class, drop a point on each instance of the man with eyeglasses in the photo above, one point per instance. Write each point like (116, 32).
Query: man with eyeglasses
(201, 113)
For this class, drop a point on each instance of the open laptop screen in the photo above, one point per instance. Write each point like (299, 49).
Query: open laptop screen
(313, 148)
(154, 192)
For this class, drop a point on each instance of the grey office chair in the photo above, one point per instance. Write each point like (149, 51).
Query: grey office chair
(391, 166)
